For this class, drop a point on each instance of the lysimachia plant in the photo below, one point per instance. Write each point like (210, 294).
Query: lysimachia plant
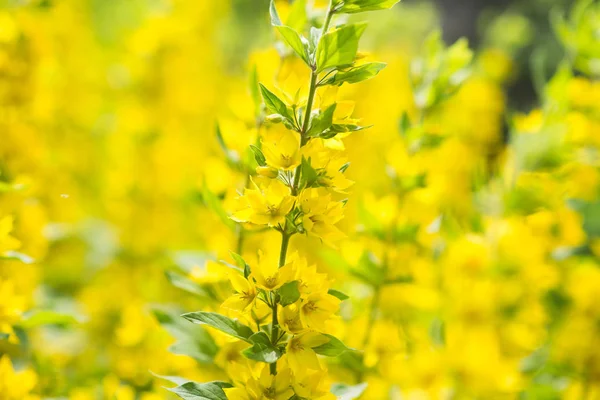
(282, 314)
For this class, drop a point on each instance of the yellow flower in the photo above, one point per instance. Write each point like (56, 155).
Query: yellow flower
(300, 353)
(266, 386)
(320, 214)
(317, 309)
(265, 206)
(309, 280)
(269, 276)
(289, 319)
(245, 293)
(281, 148)
(328, 163)
(16, 385)
(313, 386)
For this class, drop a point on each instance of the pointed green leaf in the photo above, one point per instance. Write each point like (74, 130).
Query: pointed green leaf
(309, 175)
(274, 104)
(295, 41)
(356, 74)
(322, 121)
(262, 349)
(357, 6)
(289, 35)
(339, 46)
(348, 392)
(191, 341)
(46, 317)
(297, 16)
(289, 293)
(333, 348)
(338, 294)
(182, 282)
(212, 202)
(201, 391)
(15, 255)
(224, 324)
(258, 156)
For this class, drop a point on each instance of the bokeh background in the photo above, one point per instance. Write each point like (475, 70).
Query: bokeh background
(112, 178)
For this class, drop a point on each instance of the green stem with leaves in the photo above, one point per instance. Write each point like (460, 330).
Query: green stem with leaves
(285, 236)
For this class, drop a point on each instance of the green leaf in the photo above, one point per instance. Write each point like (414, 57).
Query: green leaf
(173, 379)
(275, 20)
(322, 121)
(339, 46)
(289, 293)
(333, 348)
(182, 282)
(309, 175)
(230, 155)
(297, 16)
(404, 123)
(274, 104)
(437, 332)
(16, 256)
(295, 41)
(357, 6)
(338, 294)
(356, 74)
(4, 335)
(289, 35)
(348, 392)
(262, 349)
(212, 202)
(258, 156)
(226, 325)
(201, 391)
(239, 261)
(191, 341)
(46, 317)
(254, 89)
(341, 128)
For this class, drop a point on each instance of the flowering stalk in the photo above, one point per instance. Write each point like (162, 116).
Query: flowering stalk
(300, 171)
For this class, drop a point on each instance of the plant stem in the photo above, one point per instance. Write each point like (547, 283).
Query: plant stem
(372, 312)
(285, 236)
(285, 241)
(312, 91)
(274, 336)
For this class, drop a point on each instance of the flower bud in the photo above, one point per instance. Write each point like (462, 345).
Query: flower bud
(274, 118)
(268, 172)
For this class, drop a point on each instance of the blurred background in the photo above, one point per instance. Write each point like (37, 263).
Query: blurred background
(113, 183)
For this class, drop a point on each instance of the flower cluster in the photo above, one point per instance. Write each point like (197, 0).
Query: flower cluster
(282, 307)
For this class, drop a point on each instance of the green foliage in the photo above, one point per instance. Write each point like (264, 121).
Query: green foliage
(357, 6)
(46, 317)
(338, 294)
(322, 121)
(262, 349)
(274, 104)
(298, 43)
(355, 74)
(334, 348)
(182, 282)
(193, 342)
(289, 293)
(201, 391)
(258, 155)
(224, 324)
(348, 392)
(339, 46)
